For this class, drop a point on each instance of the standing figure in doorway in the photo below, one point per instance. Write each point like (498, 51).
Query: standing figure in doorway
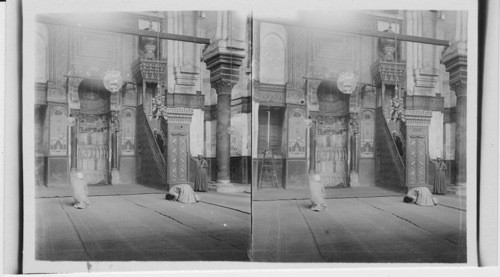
(201, 180)
(440, 176)
(318, 194)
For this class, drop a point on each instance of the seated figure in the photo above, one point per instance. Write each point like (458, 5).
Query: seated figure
(182, 193)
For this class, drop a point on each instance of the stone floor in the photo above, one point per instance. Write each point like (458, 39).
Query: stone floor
(360, 225)
(136, 223)
(131, 222)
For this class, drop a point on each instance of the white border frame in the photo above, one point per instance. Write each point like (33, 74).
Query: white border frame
(31, 7)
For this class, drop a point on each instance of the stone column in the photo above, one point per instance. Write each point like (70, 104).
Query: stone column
(74, 152)
(222, 147)
(223, 58)
(353, 155)
(455, 60)
(312, 147)
(115, 127)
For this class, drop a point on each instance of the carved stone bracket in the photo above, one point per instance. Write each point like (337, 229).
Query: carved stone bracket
(418, 117)
(184, 100)
(223, 58)
(178, 115)
(455, 60)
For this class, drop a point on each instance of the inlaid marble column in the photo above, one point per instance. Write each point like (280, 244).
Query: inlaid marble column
(223, 58)
(115, 127)
(74, 152)
(312, 147)
(455, 60)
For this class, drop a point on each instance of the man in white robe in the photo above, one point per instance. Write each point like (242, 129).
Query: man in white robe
(182, 193)
(318, 194)
(80, 191)
(421, 196)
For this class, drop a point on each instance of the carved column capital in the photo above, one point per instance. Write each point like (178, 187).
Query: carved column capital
(222, 86)
(455, 60)
(223, 58)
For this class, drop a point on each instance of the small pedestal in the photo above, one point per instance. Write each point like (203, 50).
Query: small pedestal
(354, 179)
(115, 176)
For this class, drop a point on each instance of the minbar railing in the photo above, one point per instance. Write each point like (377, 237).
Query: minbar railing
(152, 168)
(391, 173)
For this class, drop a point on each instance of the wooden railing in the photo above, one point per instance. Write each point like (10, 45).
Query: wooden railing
(391, 171)
(153, 168)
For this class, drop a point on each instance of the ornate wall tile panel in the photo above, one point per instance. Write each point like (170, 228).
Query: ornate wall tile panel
(296, 133)
(58, 130)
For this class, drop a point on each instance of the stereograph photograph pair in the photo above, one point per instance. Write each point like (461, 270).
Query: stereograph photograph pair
(320, 136)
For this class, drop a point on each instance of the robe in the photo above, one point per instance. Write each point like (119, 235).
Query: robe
(423, 196)
(184, 194)
(440, 177)
(201, 180)
(318, 194)
(80, 193)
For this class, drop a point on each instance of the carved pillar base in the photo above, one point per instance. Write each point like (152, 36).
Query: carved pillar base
(354, 180)
(115, 176)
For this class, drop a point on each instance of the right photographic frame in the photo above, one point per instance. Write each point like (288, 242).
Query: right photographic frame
(360, 126)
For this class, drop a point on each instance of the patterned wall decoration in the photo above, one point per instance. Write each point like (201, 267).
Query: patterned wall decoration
(296, 133)
(367, 134)
(95, 52)
(94, 98)
(331, 53)
(296, 174)
(93, 123)
(58, 131)
(129, 96)
(128, 132)
(331, 149)
(331, 100)
(417, 160)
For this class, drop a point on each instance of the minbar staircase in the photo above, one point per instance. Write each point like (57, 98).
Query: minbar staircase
(151, 165)
(390, 167)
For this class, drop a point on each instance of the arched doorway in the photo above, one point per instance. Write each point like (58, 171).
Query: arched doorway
(93, 131)
(331, 135)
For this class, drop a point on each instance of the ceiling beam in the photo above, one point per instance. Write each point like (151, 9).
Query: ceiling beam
(121, 30)
(368, 33)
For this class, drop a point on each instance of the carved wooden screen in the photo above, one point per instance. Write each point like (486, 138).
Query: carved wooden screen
(178, 157)
(128, 132)
(296, 133)
(417, 160)
(367, 134)
(58, 131)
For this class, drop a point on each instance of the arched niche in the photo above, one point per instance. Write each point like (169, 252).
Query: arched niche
(41, 54)
(128, 131)
(331, 100)
(367, 134)
(272, 59)
(94, 97)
